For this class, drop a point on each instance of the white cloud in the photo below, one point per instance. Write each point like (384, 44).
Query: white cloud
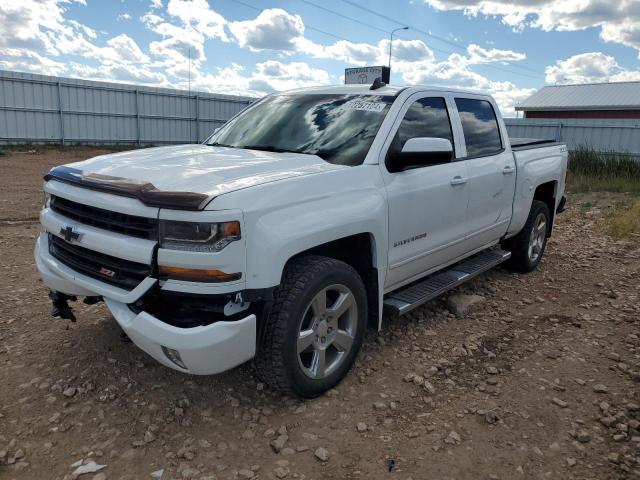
(454, 72)
(269, 76)
(196, 14)
(618, 20)
(26, 61)
(123, 17)
(123, 49)
(477, 54)
(119, 73)
(272, 29)
(588, 68)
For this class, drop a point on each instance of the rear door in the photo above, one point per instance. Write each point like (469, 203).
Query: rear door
(491, 171)
(427, 204)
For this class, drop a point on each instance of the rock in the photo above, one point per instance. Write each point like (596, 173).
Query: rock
(571, 462)
(491, 417)
(560, 403)
(149, 436)
(583, 436)
(379, 405)
(607, 421)
(491, 370)
(361, 427)
(278, 444)
(321, 454)
(70, 392)
(459, 304)
(246, 473)
(157, 473)
(189, 472)
(453, 438)
(99, 476)
(88, 467)
(281, 472)
(600, 388)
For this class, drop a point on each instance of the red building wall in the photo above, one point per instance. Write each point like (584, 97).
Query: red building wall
(610, 114)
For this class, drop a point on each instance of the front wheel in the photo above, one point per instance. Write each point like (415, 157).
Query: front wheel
(315, 328)
(528, 246)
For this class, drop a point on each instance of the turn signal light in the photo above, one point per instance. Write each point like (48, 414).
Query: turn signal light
(197, 275)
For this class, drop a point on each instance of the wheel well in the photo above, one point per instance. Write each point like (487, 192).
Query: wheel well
(357, 251)
(546, 193)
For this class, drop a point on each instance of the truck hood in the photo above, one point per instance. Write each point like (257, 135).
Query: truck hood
(203, 169)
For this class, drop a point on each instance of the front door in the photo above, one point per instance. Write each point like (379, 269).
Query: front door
(427, 204)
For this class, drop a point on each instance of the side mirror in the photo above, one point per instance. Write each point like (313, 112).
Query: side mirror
(421, 152)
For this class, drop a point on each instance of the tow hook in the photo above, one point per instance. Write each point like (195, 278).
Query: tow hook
(60, 308)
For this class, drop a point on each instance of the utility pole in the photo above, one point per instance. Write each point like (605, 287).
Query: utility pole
(391, 46)
(189, 95)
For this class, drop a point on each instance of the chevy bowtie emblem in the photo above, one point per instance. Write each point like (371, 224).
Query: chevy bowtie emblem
(69, 234)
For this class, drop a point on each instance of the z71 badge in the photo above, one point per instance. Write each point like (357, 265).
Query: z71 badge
(409, 240)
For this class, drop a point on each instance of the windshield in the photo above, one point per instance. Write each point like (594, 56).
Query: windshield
(337, 128)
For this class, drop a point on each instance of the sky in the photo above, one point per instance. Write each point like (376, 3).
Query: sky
(243, 47)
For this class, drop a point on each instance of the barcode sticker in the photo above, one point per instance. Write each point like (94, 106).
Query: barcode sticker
(366, 106)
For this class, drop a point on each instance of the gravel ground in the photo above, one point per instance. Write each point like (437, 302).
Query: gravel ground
(540, 379)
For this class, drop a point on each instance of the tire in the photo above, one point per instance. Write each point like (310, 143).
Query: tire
(525, 256)
(295, 334)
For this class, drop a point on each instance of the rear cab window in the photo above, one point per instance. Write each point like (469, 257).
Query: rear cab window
(479, 126)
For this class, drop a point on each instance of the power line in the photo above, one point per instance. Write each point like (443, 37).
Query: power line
(431, 35)
(368, 25)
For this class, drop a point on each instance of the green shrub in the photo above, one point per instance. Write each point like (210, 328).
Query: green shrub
(590, 170)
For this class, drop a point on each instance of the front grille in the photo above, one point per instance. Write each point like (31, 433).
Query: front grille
(115, 271)
(131, 225)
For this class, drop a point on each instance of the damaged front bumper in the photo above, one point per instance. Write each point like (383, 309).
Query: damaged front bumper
(200, 350)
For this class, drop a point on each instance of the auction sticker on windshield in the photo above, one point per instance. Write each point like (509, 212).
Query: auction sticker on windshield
(366, 106)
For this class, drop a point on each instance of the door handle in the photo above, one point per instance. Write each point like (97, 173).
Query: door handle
(508, 170)
(458, 180)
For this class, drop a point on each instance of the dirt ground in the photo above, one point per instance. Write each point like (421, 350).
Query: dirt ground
(540, 380)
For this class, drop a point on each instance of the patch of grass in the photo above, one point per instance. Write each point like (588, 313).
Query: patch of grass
(624, 223)
(591, 171)
(585, 207)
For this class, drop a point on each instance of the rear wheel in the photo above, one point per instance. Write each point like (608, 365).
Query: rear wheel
(315, 328)
(528, 246)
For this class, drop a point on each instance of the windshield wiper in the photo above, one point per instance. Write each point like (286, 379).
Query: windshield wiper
(216, 144)
(269, 148)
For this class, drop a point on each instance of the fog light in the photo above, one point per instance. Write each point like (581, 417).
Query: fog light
(174, 356)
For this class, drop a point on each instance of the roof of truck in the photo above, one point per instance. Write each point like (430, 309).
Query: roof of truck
(365, 89)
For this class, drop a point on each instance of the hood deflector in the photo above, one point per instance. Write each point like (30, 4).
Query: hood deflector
(146, 192)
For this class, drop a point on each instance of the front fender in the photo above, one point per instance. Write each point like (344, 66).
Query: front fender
(280, 235)
(285, 218)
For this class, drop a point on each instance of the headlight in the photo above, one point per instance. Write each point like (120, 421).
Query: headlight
(198, 237)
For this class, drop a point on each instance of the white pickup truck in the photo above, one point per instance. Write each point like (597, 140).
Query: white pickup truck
(300, 221)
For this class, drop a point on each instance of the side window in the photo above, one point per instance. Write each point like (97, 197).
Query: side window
(427, 117)
(480, 127)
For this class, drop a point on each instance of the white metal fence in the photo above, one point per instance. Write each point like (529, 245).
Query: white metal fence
(44, 109)
(621, 136)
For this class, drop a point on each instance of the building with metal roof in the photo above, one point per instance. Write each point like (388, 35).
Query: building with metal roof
(615, 100)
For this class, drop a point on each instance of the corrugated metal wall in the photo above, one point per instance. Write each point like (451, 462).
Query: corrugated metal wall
(44, 109)
(622, 136)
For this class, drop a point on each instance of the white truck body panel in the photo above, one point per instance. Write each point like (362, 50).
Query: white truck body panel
(416, 221)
